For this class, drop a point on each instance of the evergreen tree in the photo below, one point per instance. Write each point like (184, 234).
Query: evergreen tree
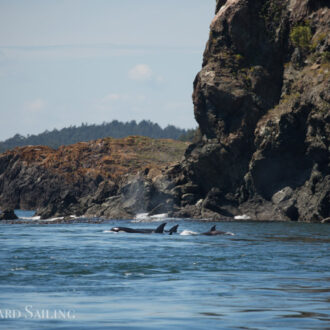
(85, 132)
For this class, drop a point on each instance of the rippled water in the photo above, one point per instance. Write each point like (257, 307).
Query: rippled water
(267, 276)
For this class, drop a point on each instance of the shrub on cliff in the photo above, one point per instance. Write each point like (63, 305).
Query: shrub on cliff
(301, 36)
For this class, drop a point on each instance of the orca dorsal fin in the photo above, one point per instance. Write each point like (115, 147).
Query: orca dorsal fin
(213, 228)
(173, 229)
(160, 229)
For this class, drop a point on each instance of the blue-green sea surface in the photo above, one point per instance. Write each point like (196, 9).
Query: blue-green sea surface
(81, 276)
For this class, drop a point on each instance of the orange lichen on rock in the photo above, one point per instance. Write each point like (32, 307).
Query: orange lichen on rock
(109, 158)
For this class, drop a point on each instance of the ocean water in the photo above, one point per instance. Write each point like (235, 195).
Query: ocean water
(81, 276)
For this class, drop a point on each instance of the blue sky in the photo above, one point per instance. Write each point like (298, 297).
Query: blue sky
(64, 62)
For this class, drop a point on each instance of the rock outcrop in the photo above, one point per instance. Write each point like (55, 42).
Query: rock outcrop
(262, 104)
(113, 178)
(8, 215)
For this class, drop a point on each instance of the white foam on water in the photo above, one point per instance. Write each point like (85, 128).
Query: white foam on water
(53, 219)
(141, 217)
(17, 269)
(109, 231)
(71, 217)
(37, 217)
(229, 233)
(160, 216)
(242, 217)
(187, 232)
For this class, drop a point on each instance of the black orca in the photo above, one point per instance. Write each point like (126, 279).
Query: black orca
(158, 230)
(174, 229)
(213, 231)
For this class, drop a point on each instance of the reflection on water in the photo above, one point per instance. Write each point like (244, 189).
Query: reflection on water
(298, 239)
(267, 276)
(300, 314)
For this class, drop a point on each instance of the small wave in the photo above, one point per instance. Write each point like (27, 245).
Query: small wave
(242, 217)
(53, 219)
(160, 216)
(70, 217)
(140, 217)
(188, 232)
(17, 269)
(36, 218)
(229, 233)
(109, 231)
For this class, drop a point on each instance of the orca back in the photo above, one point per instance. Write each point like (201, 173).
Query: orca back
(160, 229)
(174, 229)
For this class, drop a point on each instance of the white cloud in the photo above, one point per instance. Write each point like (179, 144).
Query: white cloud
(141, 72)
(112, 97)
(36, 105)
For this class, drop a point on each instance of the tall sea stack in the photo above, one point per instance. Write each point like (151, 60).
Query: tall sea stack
(262, 102)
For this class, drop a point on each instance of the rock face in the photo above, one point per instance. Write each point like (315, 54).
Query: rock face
(8, 215)
(114, 178)
(262, 104)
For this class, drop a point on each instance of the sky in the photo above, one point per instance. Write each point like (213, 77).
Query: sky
(67, 62)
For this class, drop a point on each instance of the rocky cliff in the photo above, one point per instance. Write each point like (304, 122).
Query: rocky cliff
(107, 177)
(262, 104)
